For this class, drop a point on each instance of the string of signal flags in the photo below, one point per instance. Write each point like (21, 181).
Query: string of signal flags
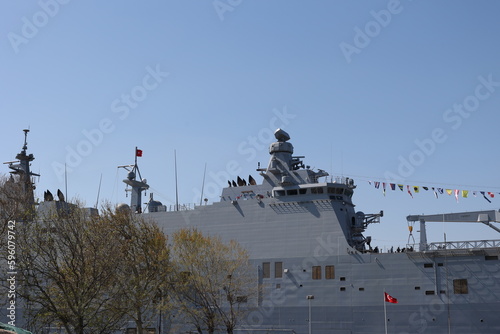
(487, 195)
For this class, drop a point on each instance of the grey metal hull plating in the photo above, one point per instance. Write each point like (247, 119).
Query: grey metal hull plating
(310, 232)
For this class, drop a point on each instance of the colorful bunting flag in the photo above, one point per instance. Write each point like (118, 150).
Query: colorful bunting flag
(409, 192)
(486, 198)
(436, 190)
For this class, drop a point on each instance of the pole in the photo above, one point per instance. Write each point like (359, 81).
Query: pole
(98, 192)
(176, 189)
(385, 314)
(310, 298)
(203, 183)
(309, 316)
(66, 181)
(447, 287)
(135, 155)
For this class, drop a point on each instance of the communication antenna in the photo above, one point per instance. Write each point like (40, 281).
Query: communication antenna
(203, 183)
(176, 187)
(65, 181)
(98, 192)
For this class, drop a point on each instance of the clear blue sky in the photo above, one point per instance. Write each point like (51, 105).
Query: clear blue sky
(366, 89)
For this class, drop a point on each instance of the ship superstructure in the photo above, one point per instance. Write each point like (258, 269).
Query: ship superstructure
(317, 270)
(21, 167)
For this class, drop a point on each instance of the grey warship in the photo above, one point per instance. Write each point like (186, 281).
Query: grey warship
(316, 270)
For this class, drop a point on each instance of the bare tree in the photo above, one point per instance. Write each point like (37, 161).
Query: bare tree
(214, 280)
(67, 263)
(14, 203)
(144, 266)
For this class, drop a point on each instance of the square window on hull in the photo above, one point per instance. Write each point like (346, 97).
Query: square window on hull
(460, 286)
(316, 272)
(266, 270)
(329, 272)
(278, 269)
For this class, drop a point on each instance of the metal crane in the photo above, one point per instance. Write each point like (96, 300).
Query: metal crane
(485, 217)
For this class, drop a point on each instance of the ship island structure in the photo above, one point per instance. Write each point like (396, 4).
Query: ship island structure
(316, 271)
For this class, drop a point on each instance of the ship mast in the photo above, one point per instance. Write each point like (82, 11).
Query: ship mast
(137, 185)
(21, 167)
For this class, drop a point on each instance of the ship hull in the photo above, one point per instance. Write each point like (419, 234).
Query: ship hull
(299, 241)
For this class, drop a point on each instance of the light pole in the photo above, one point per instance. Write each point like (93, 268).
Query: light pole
(310, 297)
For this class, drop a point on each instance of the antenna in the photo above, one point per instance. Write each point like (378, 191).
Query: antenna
(331, 162)
(176, 188)
(25, 146)
(98, 192)
(203, 183)
(342, 163)
(65, 181)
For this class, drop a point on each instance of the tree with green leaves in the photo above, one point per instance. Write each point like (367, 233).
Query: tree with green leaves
(214, 280)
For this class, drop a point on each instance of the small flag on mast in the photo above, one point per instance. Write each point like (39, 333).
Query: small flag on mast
(388, 298)
(138, 153)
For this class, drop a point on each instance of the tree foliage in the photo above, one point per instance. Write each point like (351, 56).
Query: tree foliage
(91, 273)
(14, 203)
(145, 273)
(214, 280)
(67, 262)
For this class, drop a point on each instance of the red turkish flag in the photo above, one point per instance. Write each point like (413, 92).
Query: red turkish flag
(388, 298)
(138, 153)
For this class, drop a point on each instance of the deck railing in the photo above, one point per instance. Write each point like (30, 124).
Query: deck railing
(464, 244)
(449, 245)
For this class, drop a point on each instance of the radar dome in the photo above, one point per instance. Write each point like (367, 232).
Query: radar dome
(281, 135)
